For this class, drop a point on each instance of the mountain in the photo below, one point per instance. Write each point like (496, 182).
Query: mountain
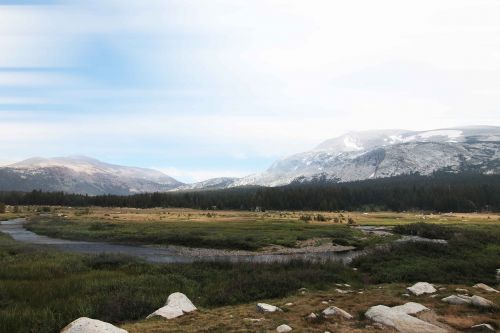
(80, 174)
(376, 154)
(350, 157)
(213, 183)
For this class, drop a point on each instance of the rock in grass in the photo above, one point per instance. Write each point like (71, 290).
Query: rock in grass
(312, 315)
(410, 308)
(482, 328)
(283, 328)
(335, 311)
(482, 302)
(421, 288)
(401, 321)
(485, 287)
(263, 307)
(87, 325)
(457, 299)
(177, 305)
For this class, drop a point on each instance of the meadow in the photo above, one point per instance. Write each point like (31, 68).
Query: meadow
(228, 229)
(41, 289)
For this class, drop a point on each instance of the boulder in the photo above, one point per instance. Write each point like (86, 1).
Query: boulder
(410, 308)
(401, 321)
(283, 328)
(340, 291)
(177, 305)
(421, 288)
(481, 302)
(457, 299)
(482, 328)
(87, 325)
(485, 287)
(312, 315)
(263, 307)
(335, 311)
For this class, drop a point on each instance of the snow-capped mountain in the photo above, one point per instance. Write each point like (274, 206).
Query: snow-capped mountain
(80, 174)
(350, 157)
(213, 183)
(386, 153)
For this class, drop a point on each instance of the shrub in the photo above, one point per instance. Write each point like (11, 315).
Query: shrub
(305, 218)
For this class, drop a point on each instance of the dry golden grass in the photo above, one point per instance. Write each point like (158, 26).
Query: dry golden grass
(238, 318)
(194, 215)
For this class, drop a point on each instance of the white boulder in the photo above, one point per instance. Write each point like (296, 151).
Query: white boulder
(421, 288)
(312, 315)
(335, 311)
(457, 299)
(263, 307)
(401, 321)
(481, 302)
(485, 287)
(283, 328)
(177, 305)
(410, 308)
(88, 325)
(482, 328)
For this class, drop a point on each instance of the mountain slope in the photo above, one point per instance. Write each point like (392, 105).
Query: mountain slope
(80, 174)
(209, 184)
(376, 154)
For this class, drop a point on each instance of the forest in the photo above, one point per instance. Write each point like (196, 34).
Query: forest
(440, 192)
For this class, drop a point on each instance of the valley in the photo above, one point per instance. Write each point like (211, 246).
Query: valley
(123, 289)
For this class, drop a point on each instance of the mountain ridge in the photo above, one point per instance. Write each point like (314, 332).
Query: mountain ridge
(349, 157)
(82, 174)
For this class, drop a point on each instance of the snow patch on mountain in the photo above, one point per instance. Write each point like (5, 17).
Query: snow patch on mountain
(375, 154)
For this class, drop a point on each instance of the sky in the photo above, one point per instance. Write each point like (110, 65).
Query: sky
(208, 88)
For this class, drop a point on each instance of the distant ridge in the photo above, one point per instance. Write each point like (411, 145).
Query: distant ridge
(349, 157)
(82, 174)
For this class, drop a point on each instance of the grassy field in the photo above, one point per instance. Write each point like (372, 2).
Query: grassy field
(41, 290)
(228, 229)
(237, 318)
(245, 232)
(472, 254)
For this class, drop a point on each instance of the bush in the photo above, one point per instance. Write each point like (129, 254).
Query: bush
(321, 218)
(305, 218)
(2, 208)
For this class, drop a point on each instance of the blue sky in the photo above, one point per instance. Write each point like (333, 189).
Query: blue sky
(201, 88)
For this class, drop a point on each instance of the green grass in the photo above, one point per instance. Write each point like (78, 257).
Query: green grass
(472, 255)
(42, 290)
(246, 235)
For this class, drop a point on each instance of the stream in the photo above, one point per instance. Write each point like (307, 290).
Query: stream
(171, 254)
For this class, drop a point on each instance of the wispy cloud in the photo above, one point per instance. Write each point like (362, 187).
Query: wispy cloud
(181, 84)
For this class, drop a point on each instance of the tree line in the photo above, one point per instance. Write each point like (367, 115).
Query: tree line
(442, 192)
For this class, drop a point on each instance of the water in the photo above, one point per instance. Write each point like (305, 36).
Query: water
(16, 230)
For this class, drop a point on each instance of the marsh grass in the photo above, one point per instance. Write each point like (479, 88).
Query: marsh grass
(43, 290)
(244, 235)
(471, 255)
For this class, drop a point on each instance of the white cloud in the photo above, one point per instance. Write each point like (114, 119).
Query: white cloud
(247, 79)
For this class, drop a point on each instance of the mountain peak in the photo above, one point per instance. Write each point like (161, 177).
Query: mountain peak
(83, 174)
